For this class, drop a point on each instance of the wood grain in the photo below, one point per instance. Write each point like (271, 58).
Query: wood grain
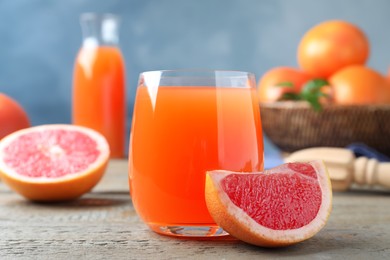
(104, 225)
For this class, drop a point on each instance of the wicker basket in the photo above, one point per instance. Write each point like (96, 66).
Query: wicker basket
(295, 125)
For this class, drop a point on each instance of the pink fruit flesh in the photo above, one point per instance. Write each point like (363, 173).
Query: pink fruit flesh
(277, 200)
(55, 153)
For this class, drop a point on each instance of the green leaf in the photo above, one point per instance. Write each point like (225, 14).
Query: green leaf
(290, 96)
(311, 92)
(314, 86)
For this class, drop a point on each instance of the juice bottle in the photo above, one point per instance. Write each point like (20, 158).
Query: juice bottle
(180, 132)
(99, 99)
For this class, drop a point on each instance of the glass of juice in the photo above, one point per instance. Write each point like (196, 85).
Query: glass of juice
(185, 123)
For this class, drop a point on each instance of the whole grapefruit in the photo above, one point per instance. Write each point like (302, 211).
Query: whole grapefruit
(330, 46)
(270, 89)
(358, 84)
(12, 116)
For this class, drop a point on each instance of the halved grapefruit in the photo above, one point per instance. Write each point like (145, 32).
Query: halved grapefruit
(278, 207)
(53, 162)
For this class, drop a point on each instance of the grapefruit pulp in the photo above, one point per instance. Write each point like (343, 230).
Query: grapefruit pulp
(278, 207)
(53, 162)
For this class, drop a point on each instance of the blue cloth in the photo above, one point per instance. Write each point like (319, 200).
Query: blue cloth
(272, 160)
(360, 149)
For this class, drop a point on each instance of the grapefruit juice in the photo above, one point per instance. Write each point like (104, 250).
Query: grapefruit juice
(99, 94)
(179, 133)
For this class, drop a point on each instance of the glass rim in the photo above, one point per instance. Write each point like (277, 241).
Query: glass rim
(198, 77)
(205, 71)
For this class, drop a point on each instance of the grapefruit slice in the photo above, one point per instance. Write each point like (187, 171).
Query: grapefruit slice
(278, 207)
(53, 162)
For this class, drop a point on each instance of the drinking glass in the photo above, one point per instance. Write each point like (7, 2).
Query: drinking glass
(187, 122)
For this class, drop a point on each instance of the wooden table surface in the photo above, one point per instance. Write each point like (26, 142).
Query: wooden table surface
(104, 225)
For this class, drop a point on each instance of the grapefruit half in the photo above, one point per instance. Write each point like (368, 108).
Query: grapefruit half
(278, 207)
(53, 162)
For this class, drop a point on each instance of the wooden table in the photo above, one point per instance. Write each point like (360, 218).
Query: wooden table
(104, 225)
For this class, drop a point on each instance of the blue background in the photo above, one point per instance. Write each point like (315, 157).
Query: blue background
(39, 40)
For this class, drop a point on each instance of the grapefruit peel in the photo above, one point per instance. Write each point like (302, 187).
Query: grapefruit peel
(239, 224)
